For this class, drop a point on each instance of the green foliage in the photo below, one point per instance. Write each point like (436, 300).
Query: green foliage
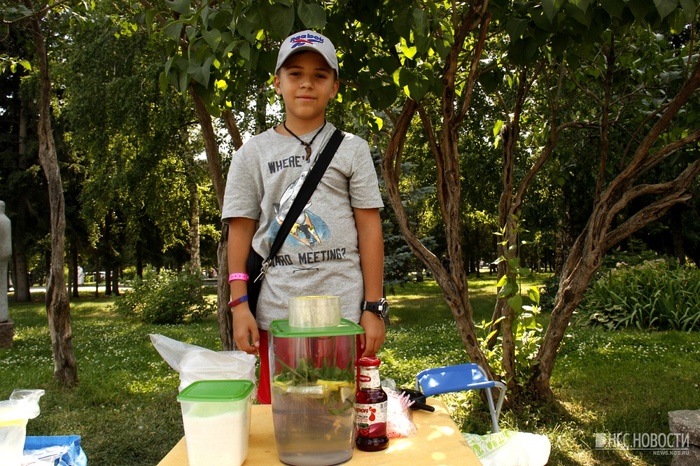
(165, 298)
(549, 290)
(527, 331)
(654, 295)
(635, 253)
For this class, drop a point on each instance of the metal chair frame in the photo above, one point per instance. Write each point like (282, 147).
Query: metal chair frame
(462, 377)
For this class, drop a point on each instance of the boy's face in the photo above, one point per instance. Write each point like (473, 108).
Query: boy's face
(306, 83)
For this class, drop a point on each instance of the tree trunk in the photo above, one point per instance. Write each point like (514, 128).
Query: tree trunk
(210, 147)
(223, 293)
(503, 315)
(139, 259)
(195, 259)
(217, 179)
(20, 276)
(678, 248)
(508, 211)
(444, 148)
(115, 280)
(57, 304)
(597, 237)
(107, 241)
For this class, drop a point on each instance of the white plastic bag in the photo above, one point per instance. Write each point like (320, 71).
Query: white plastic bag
(195, 363)
(29, 398)
(510, 448)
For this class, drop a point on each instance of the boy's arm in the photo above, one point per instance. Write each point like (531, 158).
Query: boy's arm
(371, 248)
(240, 237)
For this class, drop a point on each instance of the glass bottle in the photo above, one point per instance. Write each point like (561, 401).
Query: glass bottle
(370, 407)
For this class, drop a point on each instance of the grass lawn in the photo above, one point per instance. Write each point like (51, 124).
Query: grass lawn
(126, 411)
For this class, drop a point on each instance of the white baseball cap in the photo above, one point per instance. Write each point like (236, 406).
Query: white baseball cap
(308, 40)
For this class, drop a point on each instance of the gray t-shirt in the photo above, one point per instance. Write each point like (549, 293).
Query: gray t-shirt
(320, 255)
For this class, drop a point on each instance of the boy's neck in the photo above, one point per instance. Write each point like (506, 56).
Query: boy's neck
(300, 127)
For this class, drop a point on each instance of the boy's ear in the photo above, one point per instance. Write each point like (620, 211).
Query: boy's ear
(336, 87)
(276, 83)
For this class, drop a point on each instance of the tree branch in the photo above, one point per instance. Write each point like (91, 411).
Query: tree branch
(669, 149)
(391, 171)
(641, 156)
(473, 71)
(232, 128)
(675, 192)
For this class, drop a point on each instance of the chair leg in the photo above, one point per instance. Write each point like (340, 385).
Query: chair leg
(502, 387)
(492, 410)
(496, 411)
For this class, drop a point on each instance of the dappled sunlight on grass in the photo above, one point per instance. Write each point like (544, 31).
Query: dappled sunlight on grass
(152, 384)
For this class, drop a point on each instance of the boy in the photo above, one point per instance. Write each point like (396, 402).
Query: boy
(336, 246)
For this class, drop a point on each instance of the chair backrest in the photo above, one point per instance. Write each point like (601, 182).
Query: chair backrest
(452, 379)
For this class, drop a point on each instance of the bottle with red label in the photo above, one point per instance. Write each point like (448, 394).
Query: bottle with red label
(371, 404)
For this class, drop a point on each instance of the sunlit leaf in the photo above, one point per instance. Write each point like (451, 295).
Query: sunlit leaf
(406, 50)
(497, 127)
(534, 294)
(516, 302)
(502, 281)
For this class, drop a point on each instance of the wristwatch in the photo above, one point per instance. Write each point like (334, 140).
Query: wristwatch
(379, 308)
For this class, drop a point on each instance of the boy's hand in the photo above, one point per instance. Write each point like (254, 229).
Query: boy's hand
(375, 333)
(245, 329)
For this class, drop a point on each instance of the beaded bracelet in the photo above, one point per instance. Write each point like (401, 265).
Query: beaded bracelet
(238, 276)
(238, 301)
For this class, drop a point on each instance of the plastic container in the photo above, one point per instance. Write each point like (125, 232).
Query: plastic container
(14, 415)
(313, 391)
(59, 450)
(216, 418)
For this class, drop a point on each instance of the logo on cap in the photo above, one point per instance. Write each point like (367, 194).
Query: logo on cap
(306, 39)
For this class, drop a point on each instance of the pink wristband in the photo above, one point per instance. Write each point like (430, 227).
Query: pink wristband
(238, 276)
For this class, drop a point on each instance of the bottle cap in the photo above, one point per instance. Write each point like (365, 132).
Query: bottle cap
(368, 362)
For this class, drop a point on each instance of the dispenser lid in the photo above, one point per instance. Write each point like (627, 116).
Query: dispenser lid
(282, 329)
(216, 391)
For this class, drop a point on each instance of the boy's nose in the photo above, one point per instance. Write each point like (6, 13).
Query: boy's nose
(306, 82)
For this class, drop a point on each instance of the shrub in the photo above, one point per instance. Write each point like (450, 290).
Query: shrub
(550, 287)
(165, 298)
(655, 295)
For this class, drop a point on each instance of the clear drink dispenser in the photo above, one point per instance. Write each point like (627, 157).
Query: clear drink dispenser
(312, 373)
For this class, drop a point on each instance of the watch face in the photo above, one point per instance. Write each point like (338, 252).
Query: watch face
(380, 308)
(384, 311)
(383, 307)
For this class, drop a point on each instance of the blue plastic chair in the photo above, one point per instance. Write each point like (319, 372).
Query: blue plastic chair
(459, 378)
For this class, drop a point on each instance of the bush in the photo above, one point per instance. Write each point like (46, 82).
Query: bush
(655, 295)
(550, 287)
(165, 298)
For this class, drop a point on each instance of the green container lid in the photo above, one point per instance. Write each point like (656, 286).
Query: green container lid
(282, 329)
(216, 391)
